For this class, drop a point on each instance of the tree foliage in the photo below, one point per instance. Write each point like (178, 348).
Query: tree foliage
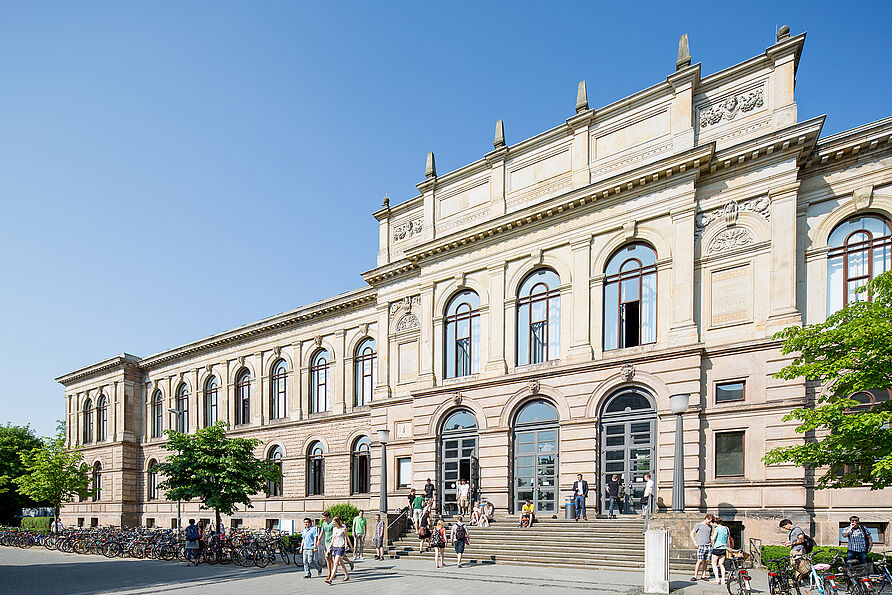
(54, 474)
(13, 441)
(219, 472)
(848, 353)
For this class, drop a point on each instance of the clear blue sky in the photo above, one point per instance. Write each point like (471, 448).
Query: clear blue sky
(169, 170)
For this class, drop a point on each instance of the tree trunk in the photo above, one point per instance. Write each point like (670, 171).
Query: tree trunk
(219, 528)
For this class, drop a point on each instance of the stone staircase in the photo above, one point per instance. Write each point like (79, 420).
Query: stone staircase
(597, 543)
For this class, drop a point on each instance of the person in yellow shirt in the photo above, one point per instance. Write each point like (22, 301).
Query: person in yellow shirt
(528, 510)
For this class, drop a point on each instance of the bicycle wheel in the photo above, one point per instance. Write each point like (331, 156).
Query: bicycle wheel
(261, 558)
(735, 583)
(830, 587)
(112, 549)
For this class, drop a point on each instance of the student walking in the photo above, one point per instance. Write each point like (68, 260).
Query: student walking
(359, 524)
(701, 535)
(429, 492)
(647, 498)
(323, 537)
(192, 535)
(424, 528)
(459, 539)
(859, 539)
(800, 544)
(720, 535)
(580, 493)
(464, 497)
(379, 537)
(340, 541)
(438, 542)
(307, 548)
(417, 510)
(612, 494)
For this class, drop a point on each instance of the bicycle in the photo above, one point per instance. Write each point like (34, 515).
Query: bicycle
(738, 577)
(882, 579)
(781, 580)
(818, 581)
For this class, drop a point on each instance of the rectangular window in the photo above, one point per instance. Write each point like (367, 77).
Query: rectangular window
(80, 521)
(272, 524)
(877, 532)
(235, 523)
(729, 391)
(150, 522)
(729, 454)
(173, 523)
(403, 472)
(94, 522)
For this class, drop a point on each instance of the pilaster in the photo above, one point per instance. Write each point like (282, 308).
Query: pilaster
(580, 339)
(338, 394)
(684, 83)
(496, 364)
(783, 258)
(258, 392)
(580, 156)
(382, 388)
(683, 329)
(426, 376)
(296, 386)
(496, 160)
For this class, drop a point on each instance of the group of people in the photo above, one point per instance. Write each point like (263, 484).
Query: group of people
(330, 541)
(712, 538)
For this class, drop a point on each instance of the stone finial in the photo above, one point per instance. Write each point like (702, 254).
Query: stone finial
(386, 203)
(783, 32)
(430, 170)
(499, 140)
(684, 53)
(581, 98)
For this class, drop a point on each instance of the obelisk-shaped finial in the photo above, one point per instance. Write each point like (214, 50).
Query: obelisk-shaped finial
(581, 98)
(684, 53)
(430, 170)
(499, 140)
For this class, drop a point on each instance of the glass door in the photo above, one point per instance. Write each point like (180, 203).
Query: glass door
(627, 450)
(459, 458)
(536, 469)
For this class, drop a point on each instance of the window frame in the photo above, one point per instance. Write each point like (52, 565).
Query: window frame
(88, 422)
(846, 249)
(527, 302)
(151, 481)
(101, 418)
(319, 381)
(471, 316)
(276, 488)
(157, 413)
(243, 398)
(97, 481)
(366, 356)
(278, 390)
(615, 282)
(182, 405)
(211, 401)
(719, 383)
(316, 469)
(403, 482)
(715, 449)
(357, 453)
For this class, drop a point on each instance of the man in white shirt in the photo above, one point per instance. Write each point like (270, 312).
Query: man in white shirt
(464, 497)
(647, 498)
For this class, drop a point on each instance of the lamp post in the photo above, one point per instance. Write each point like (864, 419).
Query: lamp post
(383, 438)
(179, 414)
(679, 405)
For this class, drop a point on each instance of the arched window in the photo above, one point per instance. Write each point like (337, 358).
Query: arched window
(157, 415)
(630, 297)
(458, 458)
(97, 481)
(868, 399)
(319, 381)
(151, 481)
(361, 476)
(539, 318)
(364, 364)
(243, 398)
(462, 349)
(101, 418)
(276, 487)
(859, 251)
(88, 421)
(182, 415)
(316, 469)
(211, 401)
(277, 390)
(535, 448)
(627, 438)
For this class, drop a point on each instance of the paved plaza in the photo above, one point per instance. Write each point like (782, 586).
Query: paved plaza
(37, 570)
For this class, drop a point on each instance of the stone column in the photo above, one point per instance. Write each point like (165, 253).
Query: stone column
(116, 408)
(224, 407)
(426, 376)
(338, 395)
(296, 386)
(783, 258)
(258, 392)
(580, 305)
(382, 388)
(198, 418)
(683, 330)
(496, 364)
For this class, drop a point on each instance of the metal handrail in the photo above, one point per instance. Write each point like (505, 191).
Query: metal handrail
(756, 551)
(404, 513)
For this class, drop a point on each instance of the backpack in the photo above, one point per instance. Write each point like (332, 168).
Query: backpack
(191, 533)
(807, 542)
(461, 534)
(438, 540)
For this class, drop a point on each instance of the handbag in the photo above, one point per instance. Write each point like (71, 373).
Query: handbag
(622, 491)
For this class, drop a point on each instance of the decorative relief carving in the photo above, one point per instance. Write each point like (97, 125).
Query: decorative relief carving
(317, 340)
(457, 398)
(277, 351)
(208, 368)
(406, 230)
(407, 303)
(728, 109)
(730, 238)
(627, 372)
(533, 386)
(730, 210)
(364, 328)
(241, 360)
(408, 322)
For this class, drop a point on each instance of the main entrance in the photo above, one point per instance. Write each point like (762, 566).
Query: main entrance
(536, 457)
(458, 458)
(628, 442)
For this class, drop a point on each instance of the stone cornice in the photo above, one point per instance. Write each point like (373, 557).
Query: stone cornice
(875, 136)
(800, 137)
(113, 363)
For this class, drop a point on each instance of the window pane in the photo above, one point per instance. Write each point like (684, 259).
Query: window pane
(729, 391)
(554, 328)
(649, 309)
(611, 309)
(475, 344)
(537, 342)
(523, 334)
(729, 453)
(450, 349)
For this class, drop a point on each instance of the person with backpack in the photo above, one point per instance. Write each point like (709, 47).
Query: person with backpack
(459, 539)
(720, 536)
(613, 485)
(192, 536)
(438, 542)
(859, 540)
(800, 544)
(380, 527)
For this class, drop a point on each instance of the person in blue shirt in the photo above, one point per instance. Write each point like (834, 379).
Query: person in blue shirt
(308, 548)
(720, 535)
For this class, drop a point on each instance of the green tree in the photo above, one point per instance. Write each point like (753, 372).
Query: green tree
(850, 352)
(54, 474)
(13, 441)
(219, 472)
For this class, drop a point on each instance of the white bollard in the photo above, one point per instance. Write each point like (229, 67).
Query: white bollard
(656, 561)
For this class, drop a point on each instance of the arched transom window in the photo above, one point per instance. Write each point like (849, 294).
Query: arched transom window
(151, 481)
(88, 421)
(462, 349)
(182, 408)
(276, 487)
(157, 414)
(361, 464)
(243, 397)
(101, 418)
(364, 363)
(539, 318)
(278, 390)
(316, 469)
(211, 401)
(859, 251)
(630, 297)
(319, 367)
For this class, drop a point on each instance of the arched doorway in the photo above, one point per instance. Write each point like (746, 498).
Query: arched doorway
(535, 447)
(628, 443)
(458, 458)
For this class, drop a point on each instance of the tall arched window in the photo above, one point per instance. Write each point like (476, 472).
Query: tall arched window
(97, 481)
(316, 469)
(276, 487)
(88, 421)
(539, 318)
(361, 467)
(157, 415)
(364, 363)
(211, 401)
(859, 251)
(151, 481)
(536, 449)
(101, 418)
(277, 390)
(630, 297)
(462, 349)
(182, 415)
(319, 381)
(243, 398)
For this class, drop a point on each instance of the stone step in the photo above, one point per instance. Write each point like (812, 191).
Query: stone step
(533, 560)
(543, 542)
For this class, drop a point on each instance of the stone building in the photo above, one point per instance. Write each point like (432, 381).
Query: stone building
(531, 313)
